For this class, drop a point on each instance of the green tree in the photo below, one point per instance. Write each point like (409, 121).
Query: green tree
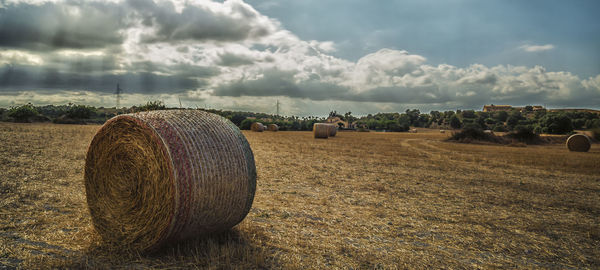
(151, 106)
(80, 112)
(22, 113)
(455, 122)
(556, 124)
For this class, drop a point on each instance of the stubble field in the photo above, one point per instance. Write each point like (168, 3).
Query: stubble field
(358, 200)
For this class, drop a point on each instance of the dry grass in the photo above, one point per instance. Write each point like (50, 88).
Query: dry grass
(360, 200)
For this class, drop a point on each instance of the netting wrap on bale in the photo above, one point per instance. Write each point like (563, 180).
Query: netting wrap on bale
(258, 127)
(272, 127)
(578, 143)
(321, 130)
(164, 176)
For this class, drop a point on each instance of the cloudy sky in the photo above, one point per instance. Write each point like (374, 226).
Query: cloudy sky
(313, 56)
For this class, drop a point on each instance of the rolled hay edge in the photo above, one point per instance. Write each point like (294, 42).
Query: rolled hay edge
(332, 130)
(272, 127)
(320, 130)
(578, 143)
(257, 127)
(158, 177)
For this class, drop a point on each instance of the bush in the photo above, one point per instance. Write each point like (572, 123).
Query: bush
(524, 134)
(22, 113)
(80, 112)
(151, 106)
(469, 134)
(246, 123)
(596, 134)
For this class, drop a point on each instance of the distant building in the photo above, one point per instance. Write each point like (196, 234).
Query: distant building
(496, 108)
(336, 120)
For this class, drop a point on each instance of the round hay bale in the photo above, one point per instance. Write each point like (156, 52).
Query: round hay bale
(272, 127)
(321, 130)
(257, 127)
(332, 130)
(442, 131)
(578, 143)
(163, 176)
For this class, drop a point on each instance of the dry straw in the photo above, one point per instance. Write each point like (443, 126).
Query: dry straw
(578, 143)
(272, 127)
(162, 176)
(258, 127)
(332, 130)
(321, 130)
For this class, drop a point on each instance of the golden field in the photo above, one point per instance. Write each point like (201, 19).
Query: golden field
(357, 200)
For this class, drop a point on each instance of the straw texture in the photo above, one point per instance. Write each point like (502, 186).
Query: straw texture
(332, 130)
(272, 127)
(258, 127)
(164, 176)
(321, 130)
(578, 143)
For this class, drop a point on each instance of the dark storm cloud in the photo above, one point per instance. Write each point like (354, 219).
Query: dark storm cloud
(198, 23)
(15, 78)
(73, 25)
(182, 70)
(280, 83)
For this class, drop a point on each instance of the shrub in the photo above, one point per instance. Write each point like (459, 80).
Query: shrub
(524, 134)
(469, 134)
(151, 106)
(22, 113)
(80, 112)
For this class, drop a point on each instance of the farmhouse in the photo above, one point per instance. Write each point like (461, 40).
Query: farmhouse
(336, 120)
(496, 108)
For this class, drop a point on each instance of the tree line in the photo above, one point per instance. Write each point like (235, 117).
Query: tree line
(541, 121)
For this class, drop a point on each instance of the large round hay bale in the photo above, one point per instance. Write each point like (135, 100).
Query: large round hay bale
(257, 126)
(321, 130)
(578, 143)
(162, 176)
(332, 130)
(272, 127)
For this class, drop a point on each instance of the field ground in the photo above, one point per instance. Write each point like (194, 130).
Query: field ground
(358, 200)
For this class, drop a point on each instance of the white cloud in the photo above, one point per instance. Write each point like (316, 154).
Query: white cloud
(228, 55)
(537, 48)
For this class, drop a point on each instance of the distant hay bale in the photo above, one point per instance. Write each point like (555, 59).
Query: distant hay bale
(442, 131)
(332, 130)
(321, 130)
(257, 127)
(413, 131)
(272, 127)
(159, 177)
(578, 143)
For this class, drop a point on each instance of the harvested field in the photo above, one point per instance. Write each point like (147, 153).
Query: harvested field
(361, 200)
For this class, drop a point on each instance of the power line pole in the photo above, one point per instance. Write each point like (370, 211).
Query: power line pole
(277, 107)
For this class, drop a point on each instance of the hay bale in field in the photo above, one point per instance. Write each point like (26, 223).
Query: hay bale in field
(162, 176)
(578, 143)
(413, 130)
(272, 127)
(257, 127)
(321, 130)
(442, 131)
(332, 130)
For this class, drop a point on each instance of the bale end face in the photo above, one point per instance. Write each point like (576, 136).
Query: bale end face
(321, 130)
(163, 176)
(578, 143)
(257, 127)
(272, 127)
